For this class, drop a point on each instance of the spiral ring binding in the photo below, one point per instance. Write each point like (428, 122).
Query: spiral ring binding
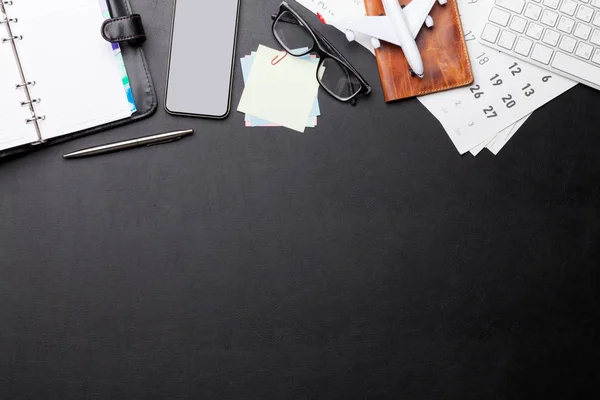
(21, 85)
(24, 83)
(36, 118)
(12, 39)
(33, 101)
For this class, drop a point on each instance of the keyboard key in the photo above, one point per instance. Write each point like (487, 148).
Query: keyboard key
(490, 33)
(582, 31)
(541, 53)
(584, 1)
(596, 3)
(568, 7)
(576, 67)
(523, 46)
(551, 3)
(596, 57)
(584, 50)
(549, 18)
(567, 44)
(507, 39)
(499, 16)
(585, 13)
(532, 11)
(597, 19)
(518, 24)
(512, 5)
(595, 37)
(551, 37)
(535, 31)
(565, 24)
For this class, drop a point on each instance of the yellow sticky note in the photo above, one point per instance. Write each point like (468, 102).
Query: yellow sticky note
(283, 93)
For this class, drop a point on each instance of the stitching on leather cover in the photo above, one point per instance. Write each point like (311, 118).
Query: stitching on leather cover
(130, 37)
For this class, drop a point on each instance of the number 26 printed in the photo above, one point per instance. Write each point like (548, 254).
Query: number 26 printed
(476, 91)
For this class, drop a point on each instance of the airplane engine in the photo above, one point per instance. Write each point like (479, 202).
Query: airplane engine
(429, 21)
(350, 36)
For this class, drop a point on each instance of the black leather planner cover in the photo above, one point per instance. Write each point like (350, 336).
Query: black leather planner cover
(139, 77)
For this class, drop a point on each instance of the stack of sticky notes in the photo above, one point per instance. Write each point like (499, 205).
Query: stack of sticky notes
(280, 90)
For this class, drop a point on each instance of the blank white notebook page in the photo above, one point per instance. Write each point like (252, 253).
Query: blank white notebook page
(77, 76)
(13, 129)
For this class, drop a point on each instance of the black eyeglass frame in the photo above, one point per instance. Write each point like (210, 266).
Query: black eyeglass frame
(323, 48)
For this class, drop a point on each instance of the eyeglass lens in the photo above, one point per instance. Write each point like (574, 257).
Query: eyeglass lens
(297, 40)
(338, 79)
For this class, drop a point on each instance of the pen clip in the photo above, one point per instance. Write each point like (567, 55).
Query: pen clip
(165, 141)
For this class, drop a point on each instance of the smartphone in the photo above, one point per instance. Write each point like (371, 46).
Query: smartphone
(201, 58)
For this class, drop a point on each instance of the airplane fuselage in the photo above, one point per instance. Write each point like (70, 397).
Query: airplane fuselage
(393, 11)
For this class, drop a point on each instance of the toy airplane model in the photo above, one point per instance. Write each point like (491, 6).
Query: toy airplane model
(399, 26)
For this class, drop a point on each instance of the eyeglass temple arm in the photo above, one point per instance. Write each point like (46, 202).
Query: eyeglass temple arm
(333, 50)
(325, 42)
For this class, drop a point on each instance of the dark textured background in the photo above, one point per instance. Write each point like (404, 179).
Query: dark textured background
(364, 259)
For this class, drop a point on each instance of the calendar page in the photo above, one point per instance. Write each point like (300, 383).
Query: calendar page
(505, 89)
(498, 141)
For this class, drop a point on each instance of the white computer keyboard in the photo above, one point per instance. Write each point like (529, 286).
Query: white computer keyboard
(562, 36)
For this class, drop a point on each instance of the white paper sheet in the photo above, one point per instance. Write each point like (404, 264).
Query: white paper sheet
(496, 143)
(500, 140)
(339, 8)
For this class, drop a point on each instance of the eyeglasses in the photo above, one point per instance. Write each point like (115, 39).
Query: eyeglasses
(335, 74)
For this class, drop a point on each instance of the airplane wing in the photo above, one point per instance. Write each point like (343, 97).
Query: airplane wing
(415, 13)
(377, 27)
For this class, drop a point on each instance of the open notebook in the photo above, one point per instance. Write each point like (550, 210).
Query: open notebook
(57, 74)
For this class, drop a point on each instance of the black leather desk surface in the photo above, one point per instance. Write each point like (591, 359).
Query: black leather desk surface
(364, 259)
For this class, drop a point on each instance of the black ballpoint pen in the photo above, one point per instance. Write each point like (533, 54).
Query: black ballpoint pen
(130, 144)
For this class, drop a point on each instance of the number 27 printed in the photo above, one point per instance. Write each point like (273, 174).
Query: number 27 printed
(489, 112)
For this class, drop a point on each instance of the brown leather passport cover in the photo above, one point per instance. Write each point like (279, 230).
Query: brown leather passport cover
(443, 49)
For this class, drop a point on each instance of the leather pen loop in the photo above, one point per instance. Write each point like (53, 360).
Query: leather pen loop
(127, 29)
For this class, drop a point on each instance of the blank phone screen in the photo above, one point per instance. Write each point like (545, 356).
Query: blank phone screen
(202, 57)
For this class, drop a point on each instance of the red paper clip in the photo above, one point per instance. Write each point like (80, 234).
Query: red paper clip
(273, 62)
